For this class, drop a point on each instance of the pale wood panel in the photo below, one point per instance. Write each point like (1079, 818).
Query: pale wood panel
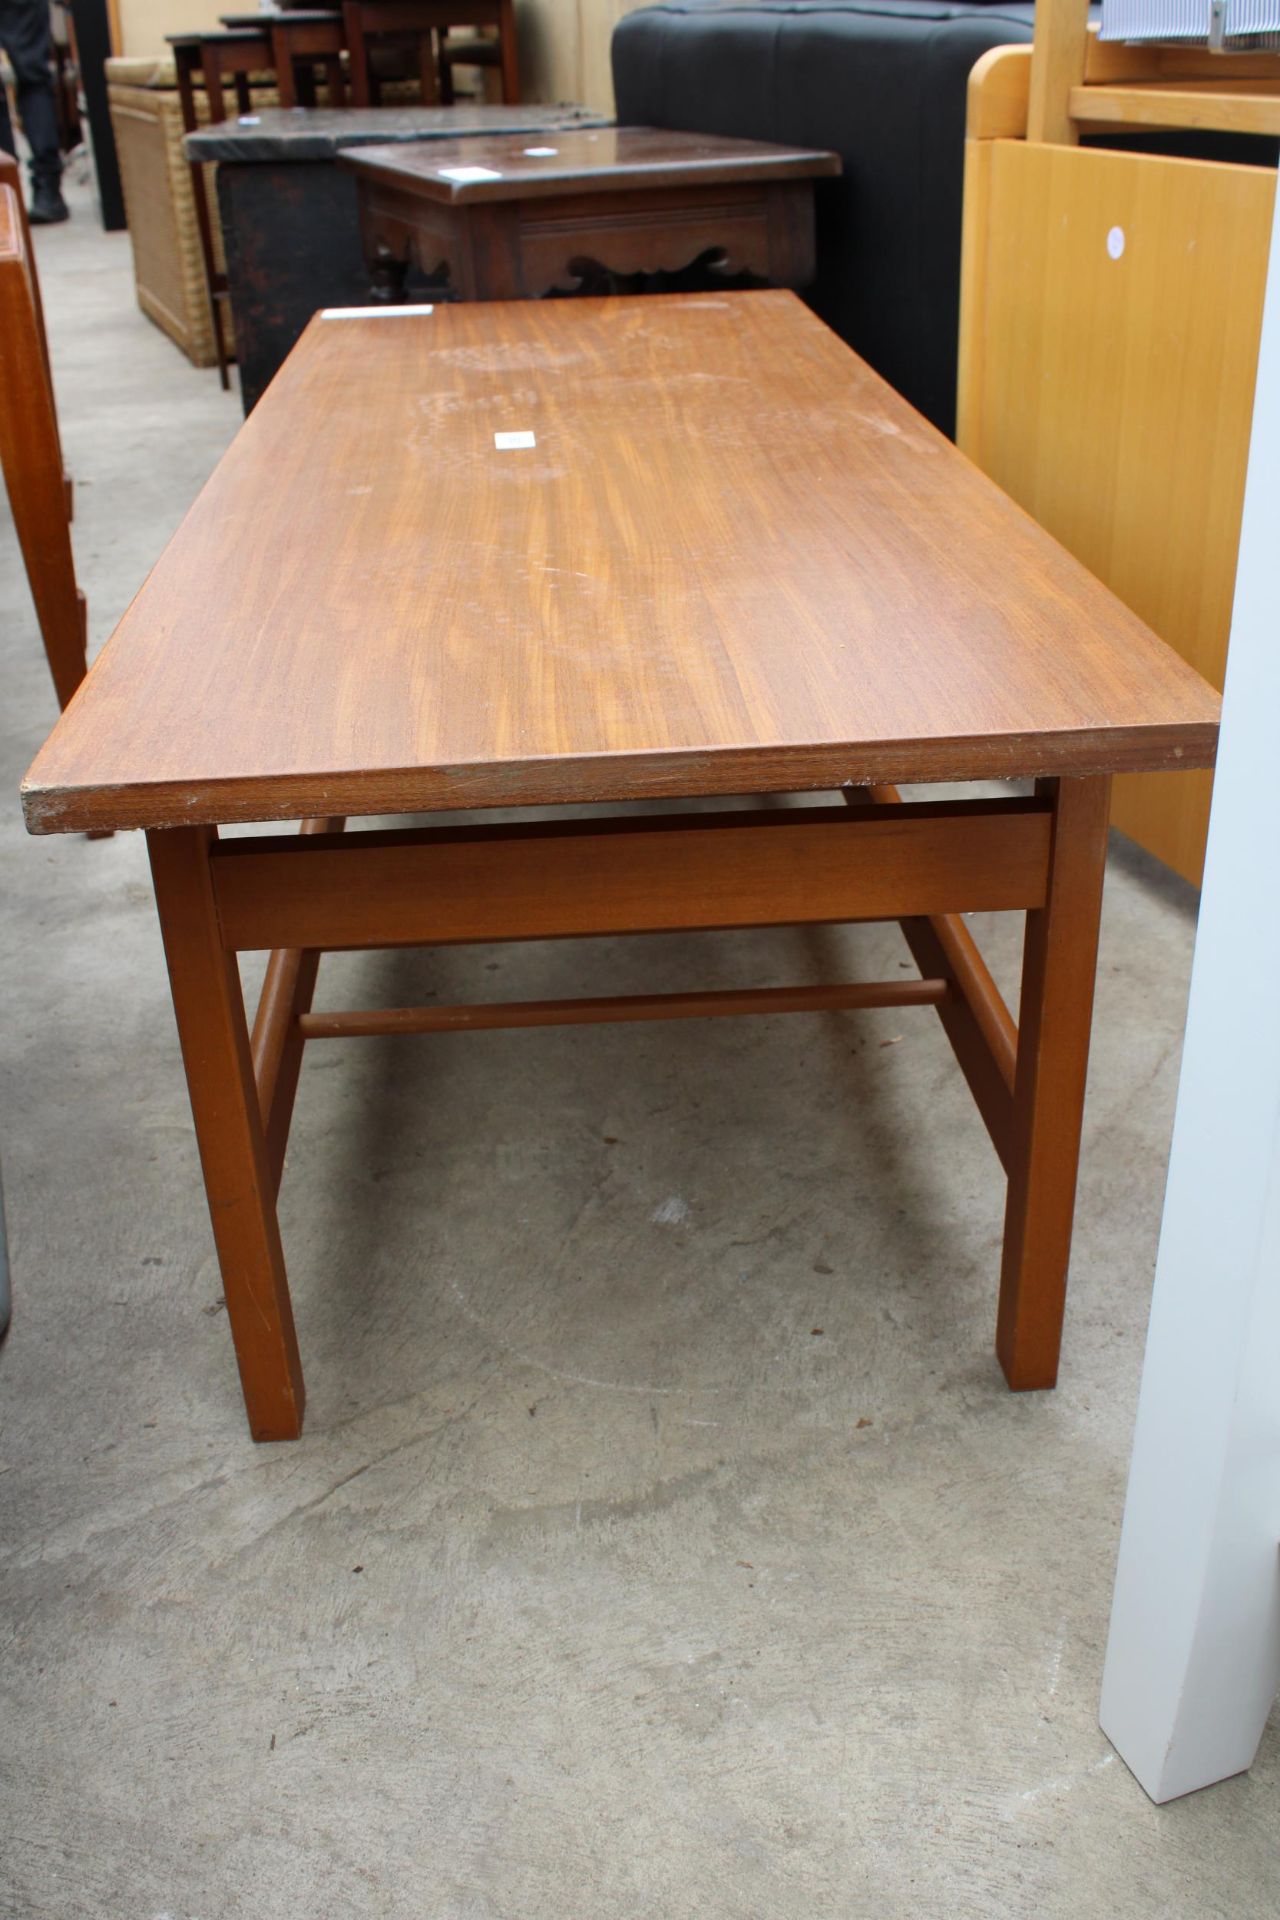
(139, 27)
(997, 106)
(1112, 397)
(998, 96)
(734, 561)
(1057, 65)
(1229, 107)
(564, 49)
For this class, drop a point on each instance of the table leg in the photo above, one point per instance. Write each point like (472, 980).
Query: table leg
(209, 1008)
(509, 54)
(487, 263)
(214, 96)
(428, 70)
(1058, 965)
(186, 60)
(790, 233)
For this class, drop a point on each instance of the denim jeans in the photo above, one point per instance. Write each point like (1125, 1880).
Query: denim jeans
(24, 35)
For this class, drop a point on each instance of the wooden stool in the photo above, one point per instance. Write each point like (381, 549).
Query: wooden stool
(427, 22)
(216, 57)
(302, 39)
(30, 450)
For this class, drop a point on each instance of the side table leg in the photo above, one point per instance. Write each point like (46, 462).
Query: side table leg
(209, 1007)
(388, 278)
(1058, 965)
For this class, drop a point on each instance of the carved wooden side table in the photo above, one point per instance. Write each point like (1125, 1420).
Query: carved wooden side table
(614, 210)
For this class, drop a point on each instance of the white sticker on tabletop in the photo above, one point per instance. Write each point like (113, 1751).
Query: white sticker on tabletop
(370, 313)
(507, 442)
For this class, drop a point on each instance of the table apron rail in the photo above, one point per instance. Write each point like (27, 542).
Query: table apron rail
(375, 1023)
(638, 874)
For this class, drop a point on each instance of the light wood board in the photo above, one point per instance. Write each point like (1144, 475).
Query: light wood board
(1109, 346)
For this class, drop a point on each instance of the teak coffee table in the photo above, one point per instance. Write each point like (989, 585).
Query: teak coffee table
(610, 210)
(609, 550)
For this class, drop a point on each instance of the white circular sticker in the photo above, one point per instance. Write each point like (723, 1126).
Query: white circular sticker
(1115, 242)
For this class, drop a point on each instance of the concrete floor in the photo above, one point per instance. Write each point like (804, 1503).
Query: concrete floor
(664, 1541)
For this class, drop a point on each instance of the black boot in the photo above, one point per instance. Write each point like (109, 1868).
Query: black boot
(47, 204)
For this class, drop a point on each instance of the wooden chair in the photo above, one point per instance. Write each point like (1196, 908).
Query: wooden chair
(425, 23)
(216, 57)
(302, 39)
(1110, 311)
(40, 494)
(476, 50)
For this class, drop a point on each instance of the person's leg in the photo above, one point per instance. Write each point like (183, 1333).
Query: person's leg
(24, 31)
(7, 142)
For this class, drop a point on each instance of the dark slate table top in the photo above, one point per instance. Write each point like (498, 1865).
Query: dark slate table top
(318, 133)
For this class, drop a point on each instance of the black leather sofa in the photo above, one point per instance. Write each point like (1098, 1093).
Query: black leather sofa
(882, 82)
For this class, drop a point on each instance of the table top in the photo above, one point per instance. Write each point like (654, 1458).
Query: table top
(318, 133)
(584, 161)
(287, 16)
(721, 555)
(221, 36)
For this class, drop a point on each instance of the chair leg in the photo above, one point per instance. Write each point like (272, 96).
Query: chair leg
(214, 96)
(357, 54)
(285, 74)
(204, 226)
(510, 55)
(219, 308)
(428, 72)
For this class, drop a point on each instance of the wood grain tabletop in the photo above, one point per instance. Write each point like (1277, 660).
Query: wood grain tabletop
(581, 550)
(583, 160)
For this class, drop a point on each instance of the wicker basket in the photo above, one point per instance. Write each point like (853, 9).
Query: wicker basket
(168, 271)
(159, 198)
